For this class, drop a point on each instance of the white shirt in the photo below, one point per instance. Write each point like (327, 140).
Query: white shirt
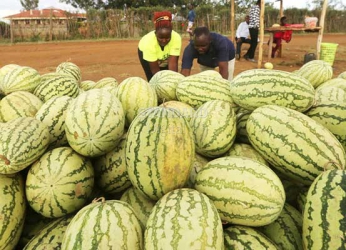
(243, 30)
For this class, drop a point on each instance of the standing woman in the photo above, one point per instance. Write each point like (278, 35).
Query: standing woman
(254, 24)
(160, 48)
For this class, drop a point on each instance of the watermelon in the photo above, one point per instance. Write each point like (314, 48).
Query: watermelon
(214, 128)
(60, 85)
(165, 83)
(22, 142)
(107, 224)
(94, 123)
(239, 188)
(159, 151)
(286, 230)
(243, 237)
(293, 143)
(50, 236)
(257, 87)
(331, 115)
(330, 94)
(316, 72)
(106, 82)
(342, 75)
(135, 95)
(184, 109)
(87, 84)
(245, 150)
(141, 205)
(59, 183)
(21, 78)
(324, 224)
(19, 104)
(110, 170)
(184, 219)
(52, 113)
(12, 210)
(198, 89)
(71, 69)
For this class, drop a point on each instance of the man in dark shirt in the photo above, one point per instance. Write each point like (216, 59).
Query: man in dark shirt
(211, 50)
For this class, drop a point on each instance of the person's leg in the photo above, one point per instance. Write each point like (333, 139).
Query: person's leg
(253, 44)
(204, 68)
(238, 51)
(231, 64)
(145, 65)
(278, 44)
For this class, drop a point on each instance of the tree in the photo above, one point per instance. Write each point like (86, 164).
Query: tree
(29, 4)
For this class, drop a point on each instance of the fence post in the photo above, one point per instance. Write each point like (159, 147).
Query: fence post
(11, 30)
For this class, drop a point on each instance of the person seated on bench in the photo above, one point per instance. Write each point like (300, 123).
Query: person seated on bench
(281, 35)
(242, 35)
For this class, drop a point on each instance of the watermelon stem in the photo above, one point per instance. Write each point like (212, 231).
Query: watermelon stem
(102, 199)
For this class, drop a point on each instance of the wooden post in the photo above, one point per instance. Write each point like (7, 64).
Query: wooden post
(320, 34)
(50, 25)
(232, 22)
(11, 31)
(261, 35)
(281, 8)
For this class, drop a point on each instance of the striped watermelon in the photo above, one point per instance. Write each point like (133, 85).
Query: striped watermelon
(286, 230)
(50, 237)
(335, 82)
(12, 210)
(140, 204)
(70, 69)
(114, 225)
(54, 86)
(342, 75)
(184, 219)
(301, 200)
(20, 79)
(316, 72)
(210, 72)
(198, 164)
(110, 170)
(19, 104)
(245, 150)
(33, 224)
(52, 113)
(241, 134)
(184, 109)
(59, 183)
(239, 188)
(165, 83)
(159, 151)
(106, 82)
(214, 128)
(330, 94)
(324, 224)
(257, 87)
(296, 145)
(242, 237)
(135, 95)
(3, 72)
(198, 89)
(87, 84)
(22, 142)
(94, 123)
(331, 115)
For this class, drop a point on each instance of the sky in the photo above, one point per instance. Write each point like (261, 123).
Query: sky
(10, 7)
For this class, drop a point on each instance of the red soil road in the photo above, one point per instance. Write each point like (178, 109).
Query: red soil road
(118, 58)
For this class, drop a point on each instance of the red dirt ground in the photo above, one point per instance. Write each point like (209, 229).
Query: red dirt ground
(118, 58)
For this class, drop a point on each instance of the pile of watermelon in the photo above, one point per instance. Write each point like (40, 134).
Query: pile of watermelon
(182, 163)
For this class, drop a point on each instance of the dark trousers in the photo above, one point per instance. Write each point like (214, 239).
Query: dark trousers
(253, 44)
(146, 66)
(243, 40)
